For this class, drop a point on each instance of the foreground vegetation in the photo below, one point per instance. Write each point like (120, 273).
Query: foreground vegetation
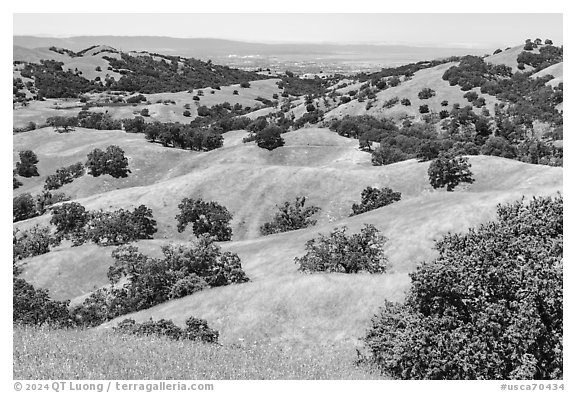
(489, 307)
(41, 353)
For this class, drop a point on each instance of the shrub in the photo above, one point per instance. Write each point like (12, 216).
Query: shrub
(471, 96)
(145, 112)
(423, 109)
(405, 102)
(206, 217)
(340, 253)
(31, 306)
(290, 217)
(120, 226)
(444, 103)
(64, 176)
(186, 113)
(196, 329)
(26, 167)
(235, 92)
(444, 114)
(489, 307)
(426, 93)
(374, 198)
(31, 242)
(449, 171)
(270, 137)
(15, 182)
(391, 102)
(245, 85)
(147, 281)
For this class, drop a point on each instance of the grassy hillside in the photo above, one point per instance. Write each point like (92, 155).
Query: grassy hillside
(279, 304)
(99, 355)
(426, 78)
(509, 57)
(39, 111)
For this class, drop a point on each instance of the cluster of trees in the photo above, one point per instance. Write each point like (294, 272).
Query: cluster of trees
(530, 98)
(183, 136)
(25, 206)
(489, 307)
(63, 176)
(73, 222)
(290, 217)
(390, 76)
(547, 56)
(463, 133)
(150, 281)
(147, 75)
(341, 253)
(51, 81)
(196, 329)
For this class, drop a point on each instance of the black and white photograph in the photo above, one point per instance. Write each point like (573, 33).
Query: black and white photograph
(289, 195)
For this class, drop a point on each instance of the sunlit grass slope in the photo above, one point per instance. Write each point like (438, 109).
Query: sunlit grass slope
(93, 355)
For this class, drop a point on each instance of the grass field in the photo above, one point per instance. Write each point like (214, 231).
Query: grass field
(70, 354)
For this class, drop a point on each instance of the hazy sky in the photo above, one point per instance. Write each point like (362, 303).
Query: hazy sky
(484, 30)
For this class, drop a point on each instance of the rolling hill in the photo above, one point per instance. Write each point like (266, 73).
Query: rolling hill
(279, 304)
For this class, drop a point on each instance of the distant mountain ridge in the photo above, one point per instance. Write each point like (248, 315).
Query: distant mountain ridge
(207, 47)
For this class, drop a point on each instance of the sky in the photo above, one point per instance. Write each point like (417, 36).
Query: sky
(428, 29)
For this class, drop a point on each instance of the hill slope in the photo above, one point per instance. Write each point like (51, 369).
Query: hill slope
(280, 304)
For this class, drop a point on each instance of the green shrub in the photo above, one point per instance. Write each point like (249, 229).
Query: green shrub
(374, 198)
(489, 307)
(340, 253)
(290, 217)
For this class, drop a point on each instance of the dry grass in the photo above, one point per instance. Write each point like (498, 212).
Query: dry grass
(70, 354)
(279, 305)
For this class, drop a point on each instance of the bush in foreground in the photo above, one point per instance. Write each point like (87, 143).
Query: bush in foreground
(489, 307)
(341, 253)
